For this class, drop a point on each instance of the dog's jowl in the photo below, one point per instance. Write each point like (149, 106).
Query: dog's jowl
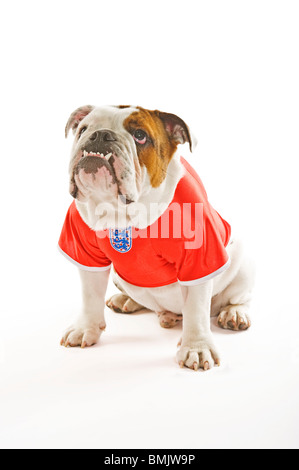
(141, 212)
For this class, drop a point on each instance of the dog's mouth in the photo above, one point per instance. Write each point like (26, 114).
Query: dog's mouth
(106, 155)
(91, 162)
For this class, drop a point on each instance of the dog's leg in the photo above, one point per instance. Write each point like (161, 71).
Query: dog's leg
(197, 345)
(91, 323)
(234, 311)
(232, 290)
(232, 305)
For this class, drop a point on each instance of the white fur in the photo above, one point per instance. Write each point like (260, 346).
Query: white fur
(90, 324)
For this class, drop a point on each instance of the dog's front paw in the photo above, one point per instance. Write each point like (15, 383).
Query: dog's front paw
(82, 335)
(198, 354)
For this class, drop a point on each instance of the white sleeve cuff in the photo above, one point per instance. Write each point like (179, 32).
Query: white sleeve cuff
(201, 280)
(81, 266)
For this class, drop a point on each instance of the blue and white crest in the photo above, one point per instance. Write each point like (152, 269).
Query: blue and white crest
(121, 239)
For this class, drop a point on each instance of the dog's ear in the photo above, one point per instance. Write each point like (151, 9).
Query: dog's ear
(76, 117)
(177, 129)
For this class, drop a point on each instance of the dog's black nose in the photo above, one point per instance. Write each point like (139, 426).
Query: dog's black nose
(104, 135)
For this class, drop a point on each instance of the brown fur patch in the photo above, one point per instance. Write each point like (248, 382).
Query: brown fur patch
(156, 153)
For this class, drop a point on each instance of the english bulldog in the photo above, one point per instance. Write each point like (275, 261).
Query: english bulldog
(140, 211)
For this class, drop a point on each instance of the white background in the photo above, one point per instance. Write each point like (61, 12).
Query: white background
(230, 69)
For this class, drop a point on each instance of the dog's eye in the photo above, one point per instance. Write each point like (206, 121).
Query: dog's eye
(82, 131)
(140, 136)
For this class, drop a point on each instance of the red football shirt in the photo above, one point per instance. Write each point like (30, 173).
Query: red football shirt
(186, 244)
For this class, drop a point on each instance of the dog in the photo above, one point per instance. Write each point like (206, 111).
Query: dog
(129, 182)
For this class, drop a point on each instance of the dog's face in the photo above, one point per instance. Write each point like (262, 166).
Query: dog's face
(119, 150)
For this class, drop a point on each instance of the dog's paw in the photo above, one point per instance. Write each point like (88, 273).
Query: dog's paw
(122, 303)
(169, 319)
(234, 317)
(81, 335)
(198, 354)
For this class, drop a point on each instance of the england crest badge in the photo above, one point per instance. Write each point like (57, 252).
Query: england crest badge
(121, 239)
